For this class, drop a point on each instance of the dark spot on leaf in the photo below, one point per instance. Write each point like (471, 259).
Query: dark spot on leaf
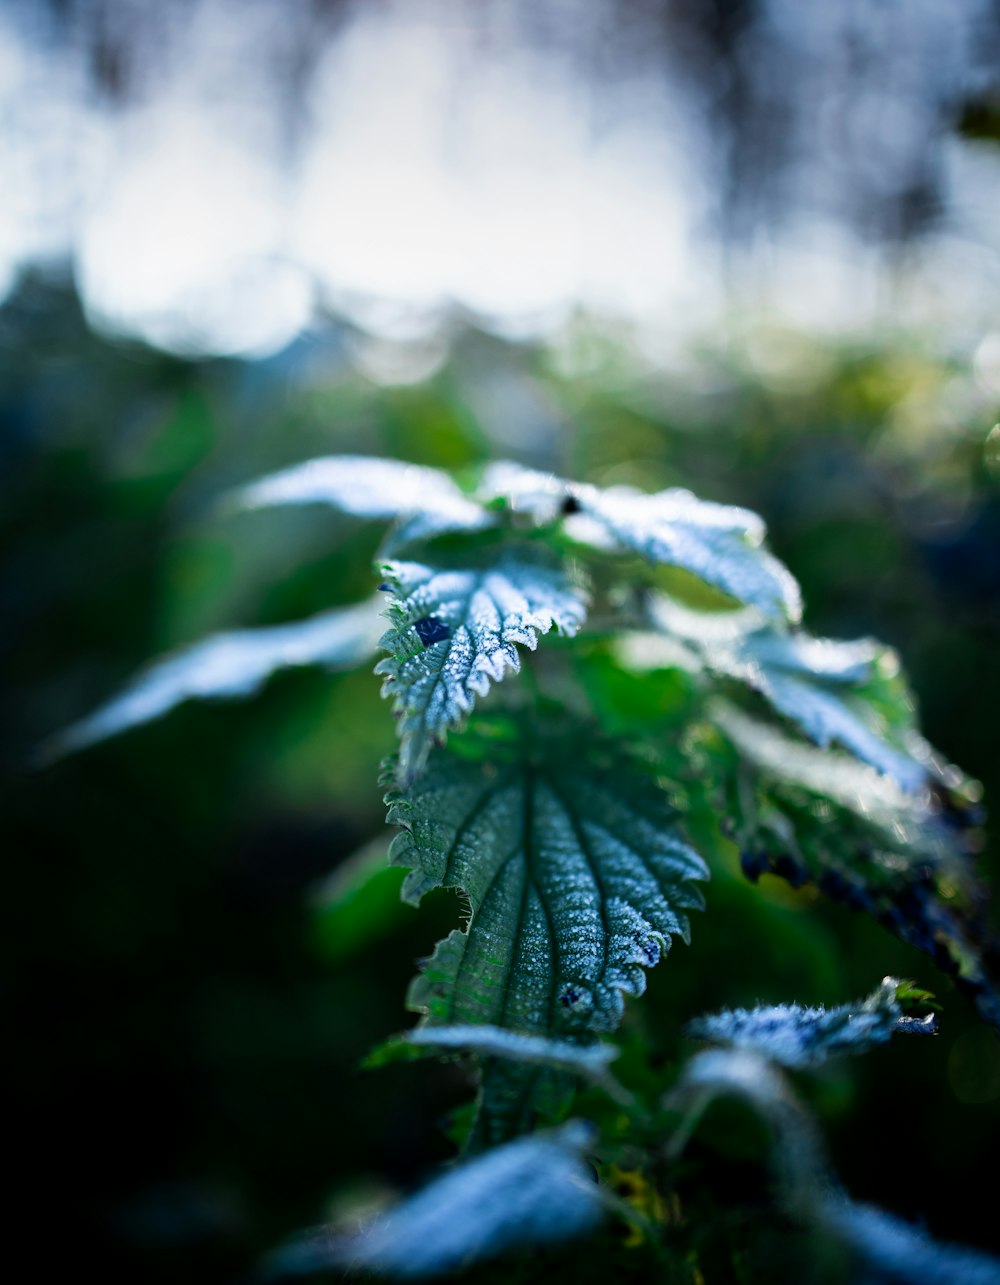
(570, 505)
(569, 996)
(431, 630)
(385, 588)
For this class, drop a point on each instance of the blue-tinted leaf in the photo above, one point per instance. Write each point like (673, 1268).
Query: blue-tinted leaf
(907, 823)
(227, 665)
(798, 1155)
(892, 1252)
(454, 632)
(720, 543)
(797, 1037)
(534, 1191)
(816, 683)
(373, 488)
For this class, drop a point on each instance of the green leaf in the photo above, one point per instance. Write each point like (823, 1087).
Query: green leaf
(568, 852)
(373, 488)
(226, 665)
(899, 822)
(797, 1037)
(719, 543)
(820, 685)
(811, 815)
(454, 632)
(576, 875)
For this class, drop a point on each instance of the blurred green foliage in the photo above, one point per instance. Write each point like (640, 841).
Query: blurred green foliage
(201, 953)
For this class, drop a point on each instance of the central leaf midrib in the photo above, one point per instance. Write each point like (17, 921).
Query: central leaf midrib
(592, 865)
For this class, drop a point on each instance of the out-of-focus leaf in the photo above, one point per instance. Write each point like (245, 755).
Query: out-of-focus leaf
(798, 1157)
(358, 904)
(796, 1037)
(892, 1252)
(809, 815)
(534, 1191)
(373, 488)
(227, 665)
(454, 632)
(817, 683)
(721, 544)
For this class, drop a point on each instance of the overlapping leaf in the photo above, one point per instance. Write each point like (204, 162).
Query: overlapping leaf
(824, 687)
(454, 632)
(794, 1036)
(227, 665)
(907, 859)
(721, 544)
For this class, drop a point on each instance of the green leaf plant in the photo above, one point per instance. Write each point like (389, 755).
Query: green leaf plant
(579, 817)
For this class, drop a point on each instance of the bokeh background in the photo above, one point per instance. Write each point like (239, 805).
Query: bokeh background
(746, 247)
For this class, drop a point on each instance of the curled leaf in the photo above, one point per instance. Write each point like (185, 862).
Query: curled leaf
(797, 1037)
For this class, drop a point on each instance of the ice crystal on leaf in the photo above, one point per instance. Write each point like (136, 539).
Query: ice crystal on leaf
(576, 877)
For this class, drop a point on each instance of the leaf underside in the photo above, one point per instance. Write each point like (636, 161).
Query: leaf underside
(576, 878)
(455, 632)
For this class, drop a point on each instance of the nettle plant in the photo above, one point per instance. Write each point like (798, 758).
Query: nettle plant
(674, 705)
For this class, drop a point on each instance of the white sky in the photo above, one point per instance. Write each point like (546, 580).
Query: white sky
(434, 172)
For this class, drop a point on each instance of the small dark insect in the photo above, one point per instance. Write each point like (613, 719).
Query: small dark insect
(431, 630)
(570, 505)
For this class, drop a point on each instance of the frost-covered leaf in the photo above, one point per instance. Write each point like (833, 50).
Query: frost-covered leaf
(820, 685)
(907, 859)
(576, 879)
(227, 665)
(454, 631)
(798, 1155)
(576, 875)
(535, 1191)
(719, 543)
(890, 1251)
(905, 824)
(429, 501)
(588, 1060)
(796, 1037)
